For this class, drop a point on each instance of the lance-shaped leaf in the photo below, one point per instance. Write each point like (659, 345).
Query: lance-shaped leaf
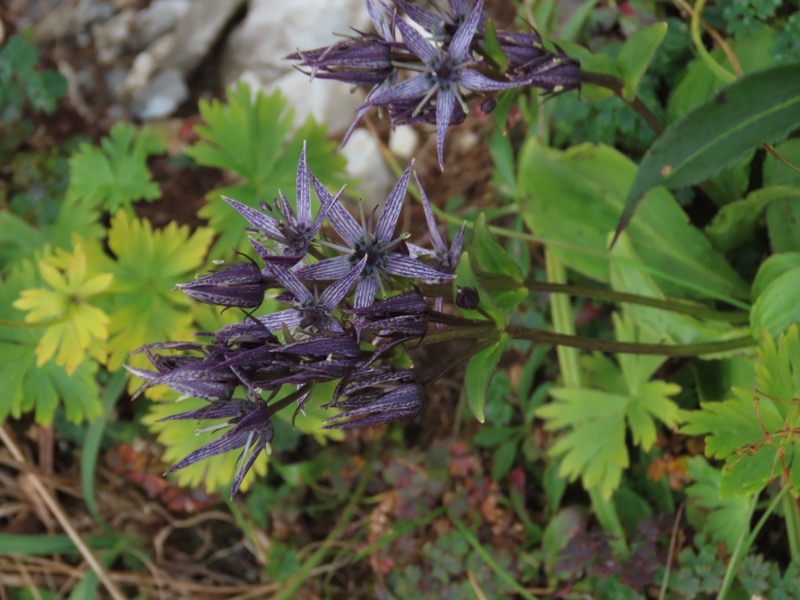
(762, 107)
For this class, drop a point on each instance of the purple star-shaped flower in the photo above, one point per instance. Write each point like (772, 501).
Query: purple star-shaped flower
(308, 311)
(293, 234)
(251, 429)
(443, 73)
(385, 254)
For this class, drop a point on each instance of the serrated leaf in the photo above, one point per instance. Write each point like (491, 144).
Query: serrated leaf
(250, 135)
(722, 518)
(77, 327)
(594, 447)
(28, 387)
(589, 183)
(480, 370)
(635, 55)
(116, 173)
(146, 264)
(762, 107)
(732, 428)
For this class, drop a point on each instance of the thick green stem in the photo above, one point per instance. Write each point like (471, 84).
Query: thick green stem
(591, 344)
(616, 85)
(667, 304)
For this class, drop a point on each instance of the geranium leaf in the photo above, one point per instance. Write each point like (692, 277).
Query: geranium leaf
(116, 173)
(29, 387)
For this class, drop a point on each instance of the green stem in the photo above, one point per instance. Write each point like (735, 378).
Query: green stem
(595, 345)
(716, 68)
(741, 546)
(507, 577)
(568, 360)
(616, 85)
(549, 287)
(791, 514)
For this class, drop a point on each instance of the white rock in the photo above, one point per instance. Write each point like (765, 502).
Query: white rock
(365, 162)
(272, 30)
(146, 63)
(330, 102)
(155, 20)
(404, 142)
(111, 37)
(162, 97)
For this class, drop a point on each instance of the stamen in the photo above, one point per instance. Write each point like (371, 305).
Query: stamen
(427, 97)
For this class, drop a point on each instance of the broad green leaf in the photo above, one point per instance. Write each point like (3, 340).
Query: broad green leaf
(480, 370)
(754, 52)
(722, 519)
(573, 199)
(772, 268)
(491, 257)
(116, 174)
(493, 47)
(635, 55)
(250, 135)
(733, 428)
(661, 325)
(783, 224)
(776, 173)
(778, 305)
(29, 387)
(735, 223)
(761, 107)
(146, 264)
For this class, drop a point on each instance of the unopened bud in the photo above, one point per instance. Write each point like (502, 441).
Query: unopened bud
(467, 298)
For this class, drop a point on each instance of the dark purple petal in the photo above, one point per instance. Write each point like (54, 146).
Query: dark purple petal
(268, 257)
(344, 224)
(406, 91)
(405, 266)
(276, 321)
(391, 209)
(337, 291)
(340, 345)
(226, 409)
(438, 243)
(427, 19)
(326, 270)
(263, 223)
(417, 43)
(445, 101)
(366, 288)
(303, 189)
(406, 303)
(291, 282)
(472, 80)
(455, 247)
(326, 201)
(240, 285)
(405, 401)
(459, 45)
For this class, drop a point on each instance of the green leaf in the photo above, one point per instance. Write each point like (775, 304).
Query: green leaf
(735, 223)
(466, 278)
(493, 47)
(733, 428)
(573, 199)
(146, 264)
(635, 55)
(778, 304)
(594, 447)
(116, 174)
(41, 389)
(762, 107)
(503, 459)
(783, 217)
(480, 370)
(659, 324)
(250, 134)
(721, 518)
(491, 257)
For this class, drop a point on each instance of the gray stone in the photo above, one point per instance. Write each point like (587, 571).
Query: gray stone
(161, 97)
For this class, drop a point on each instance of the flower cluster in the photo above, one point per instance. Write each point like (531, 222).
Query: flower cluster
(445, 54)
(332, 329)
